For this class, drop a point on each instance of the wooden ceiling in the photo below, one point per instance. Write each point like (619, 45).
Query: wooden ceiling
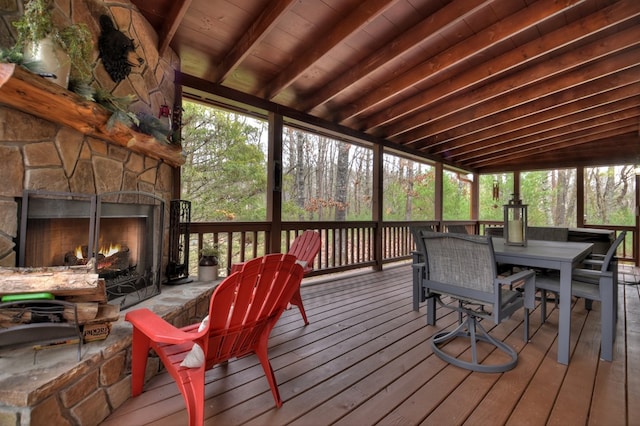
(486, 85)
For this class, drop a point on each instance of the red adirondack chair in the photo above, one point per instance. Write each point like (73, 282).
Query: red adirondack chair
(242, 311)
(305, 247)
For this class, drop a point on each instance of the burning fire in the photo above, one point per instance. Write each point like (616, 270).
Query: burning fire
(106, 251)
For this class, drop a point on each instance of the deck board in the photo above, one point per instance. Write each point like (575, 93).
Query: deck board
(366, 359)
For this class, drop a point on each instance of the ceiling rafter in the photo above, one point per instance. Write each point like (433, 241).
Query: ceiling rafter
(326, 41)
(456, 112)
(420, 33)
(484, 40)
(583, 109)
(258, 30)
(568, 96)
(588, 123)
(178, 10)
(576, 139)
(545, 45)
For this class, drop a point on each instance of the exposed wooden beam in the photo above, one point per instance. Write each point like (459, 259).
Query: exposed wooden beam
(326, 40)
(612, 129)
(612, 150)
(252, 37)
(584, 109)
(492, 69)
(489, 100)
(571, 95)
(460, 137)
(171, 24)
(423, 32)
(586, 126)
(489, 37)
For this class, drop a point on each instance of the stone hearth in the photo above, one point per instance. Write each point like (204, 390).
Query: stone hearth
(50, 386)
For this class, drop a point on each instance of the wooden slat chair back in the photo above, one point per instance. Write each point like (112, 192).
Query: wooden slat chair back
(242, 312)
(464, 268)
(305, 248)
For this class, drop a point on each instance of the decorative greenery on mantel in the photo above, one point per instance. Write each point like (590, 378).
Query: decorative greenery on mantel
(28, 92)
(37, 23)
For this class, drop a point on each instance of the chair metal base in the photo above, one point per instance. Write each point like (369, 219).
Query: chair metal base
(472, 329)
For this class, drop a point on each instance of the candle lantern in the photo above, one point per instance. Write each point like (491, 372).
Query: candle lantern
(515, 222)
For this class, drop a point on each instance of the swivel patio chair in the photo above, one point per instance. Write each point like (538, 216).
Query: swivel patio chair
(599, 284)
(242, 311)
(464, 268)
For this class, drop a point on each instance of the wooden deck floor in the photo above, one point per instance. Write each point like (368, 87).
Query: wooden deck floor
(365, 359)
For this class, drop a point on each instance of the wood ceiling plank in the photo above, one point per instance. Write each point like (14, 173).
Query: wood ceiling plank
(614, 128)
(561, 115)
(490, 100)
(418, 34)
(171, 24)
(591, 119)
(546, 44)
(603, 86)
(491, 36)
(354, 21)
(611, 150)
(252, 37)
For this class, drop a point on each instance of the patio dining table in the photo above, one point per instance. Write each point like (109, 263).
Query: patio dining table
(561, 256)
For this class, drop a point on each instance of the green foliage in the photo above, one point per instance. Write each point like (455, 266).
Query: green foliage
(37, 23)
(118, 106)
(225, 173)
(210, 250)
(491, 209)
(456, 201)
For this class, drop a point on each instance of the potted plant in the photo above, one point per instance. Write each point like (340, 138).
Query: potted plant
(208, 264)
(59, 51)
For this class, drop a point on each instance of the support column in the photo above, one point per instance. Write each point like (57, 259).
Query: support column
(439, 192)
(580, 197)
(377, 204)
(475, 201)
(274, 182)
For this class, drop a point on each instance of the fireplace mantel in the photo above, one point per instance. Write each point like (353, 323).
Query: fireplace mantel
(32, 94)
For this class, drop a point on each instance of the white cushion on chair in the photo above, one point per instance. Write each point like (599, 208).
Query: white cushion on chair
(195, 358)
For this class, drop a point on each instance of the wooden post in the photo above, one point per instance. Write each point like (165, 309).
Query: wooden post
(377, 204)
(274, 183)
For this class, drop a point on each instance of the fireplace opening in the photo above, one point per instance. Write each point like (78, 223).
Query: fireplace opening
(122, 231)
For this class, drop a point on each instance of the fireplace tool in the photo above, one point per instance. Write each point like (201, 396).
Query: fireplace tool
(178, 266)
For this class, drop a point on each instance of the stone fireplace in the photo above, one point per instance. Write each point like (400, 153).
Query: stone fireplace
(53, 141)
(120, 233)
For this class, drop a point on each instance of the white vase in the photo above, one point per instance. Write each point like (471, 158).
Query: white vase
(51, 60)
(207, 273)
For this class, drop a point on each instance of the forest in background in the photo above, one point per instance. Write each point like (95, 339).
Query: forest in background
(324, 179)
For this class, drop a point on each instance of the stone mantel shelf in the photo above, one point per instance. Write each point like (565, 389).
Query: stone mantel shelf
(32, 94)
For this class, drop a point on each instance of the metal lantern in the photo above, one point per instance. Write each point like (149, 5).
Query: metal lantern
(515, 222)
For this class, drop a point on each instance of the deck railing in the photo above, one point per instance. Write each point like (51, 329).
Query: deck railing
(345, 245)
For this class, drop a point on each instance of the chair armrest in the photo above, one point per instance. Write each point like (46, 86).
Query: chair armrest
(596, 256)
(591, 275)
(157, 329)
(417, 257)
(518, 276)
(593, 262)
